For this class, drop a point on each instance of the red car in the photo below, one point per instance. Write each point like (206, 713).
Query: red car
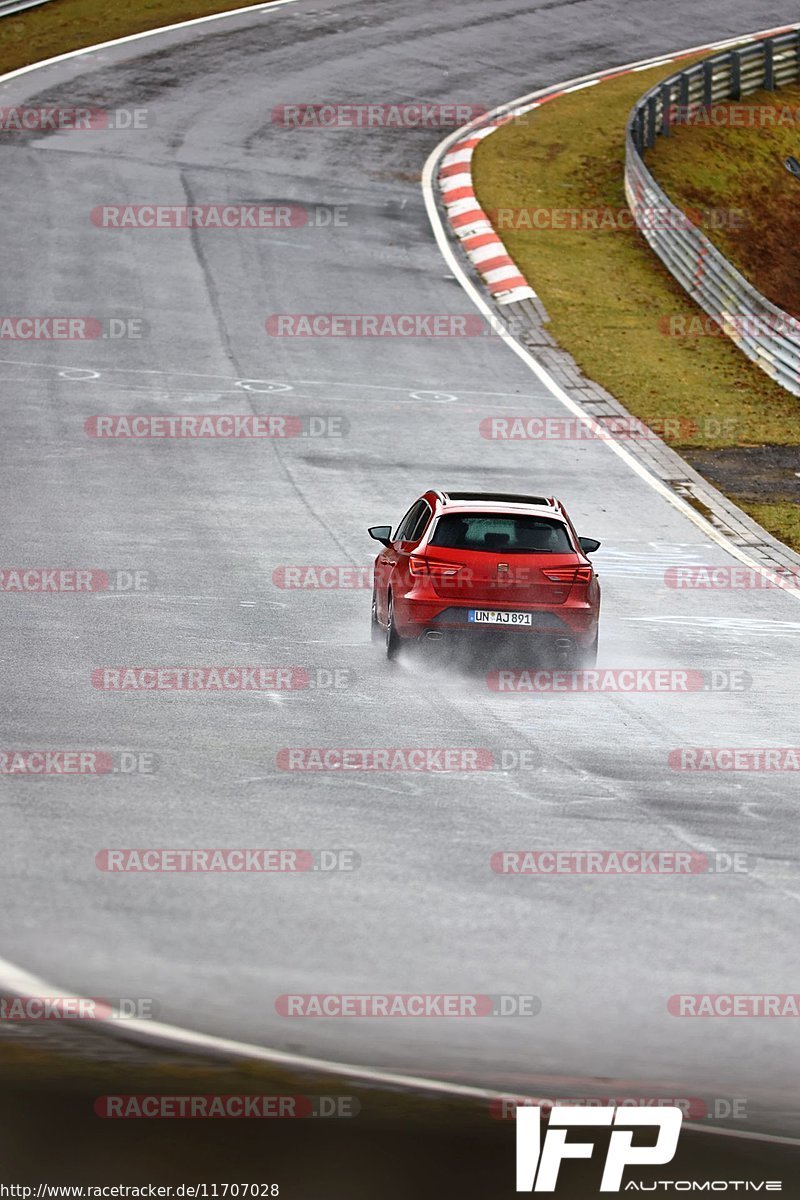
(472, 563)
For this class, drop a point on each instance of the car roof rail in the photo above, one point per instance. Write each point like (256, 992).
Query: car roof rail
(500, 498)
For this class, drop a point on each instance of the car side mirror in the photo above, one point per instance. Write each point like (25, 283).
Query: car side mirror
(381, 533)
(589, 545)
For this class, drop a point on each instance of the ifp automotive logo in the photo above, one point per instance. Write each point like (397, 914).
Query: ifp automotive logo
(538, 1164)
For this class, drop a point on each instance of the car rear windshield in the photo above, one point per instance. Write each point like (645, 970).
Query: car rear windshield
(501, 534)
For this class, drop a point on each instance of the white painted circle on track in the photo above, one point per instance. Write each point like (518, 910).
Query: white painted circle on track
(263, 385)
(76, 374)
(433, 397)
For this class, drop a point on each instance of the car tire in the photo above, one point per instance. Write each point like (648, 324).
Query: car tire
(375, 625)
(392, 636)
(588, 657)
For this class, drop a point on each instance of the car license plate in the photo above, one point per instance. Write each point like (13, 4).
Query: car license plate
(485, 616)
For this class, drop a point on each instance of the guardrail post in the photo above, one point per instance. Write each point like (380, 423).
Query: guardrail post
(650, 126)
(769, 65)
(736, 75)
(683, 96)
(666, 109)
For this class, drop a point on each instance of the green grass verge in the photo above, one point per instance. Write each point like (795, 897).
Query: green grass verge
(782, 520)
(64, 25)
(739, 171)
(611, 302)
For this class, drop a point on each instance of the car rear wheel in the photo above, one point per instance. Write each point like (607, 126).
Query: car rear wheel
(588, 657)
(392, 636)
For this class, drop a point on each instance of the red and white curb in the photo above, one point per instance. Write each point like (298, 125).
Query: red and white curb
(468, 221)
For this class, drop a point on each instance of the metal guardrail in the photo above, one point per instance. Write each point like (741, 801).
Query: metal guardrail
(7, 7)
(766, 334)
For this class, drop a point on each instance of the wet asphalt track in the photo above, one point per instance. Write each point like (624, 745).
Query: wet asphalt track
(212, 520)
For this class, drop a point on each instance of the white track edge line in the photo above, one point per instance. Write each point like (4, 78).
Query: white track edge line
(134, 37)
(19, 982)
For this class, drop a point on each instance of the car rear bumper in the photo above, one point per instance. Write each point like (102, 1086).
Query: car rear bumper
(416, 618)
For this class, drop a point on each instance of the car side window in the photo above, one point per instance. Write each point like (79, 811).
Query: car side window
(397, 536)
(408, 522)
(419, 527)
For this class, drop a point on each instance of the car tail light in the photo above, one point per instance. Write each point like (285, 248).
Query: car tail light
(431, 566)
(569, 574)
